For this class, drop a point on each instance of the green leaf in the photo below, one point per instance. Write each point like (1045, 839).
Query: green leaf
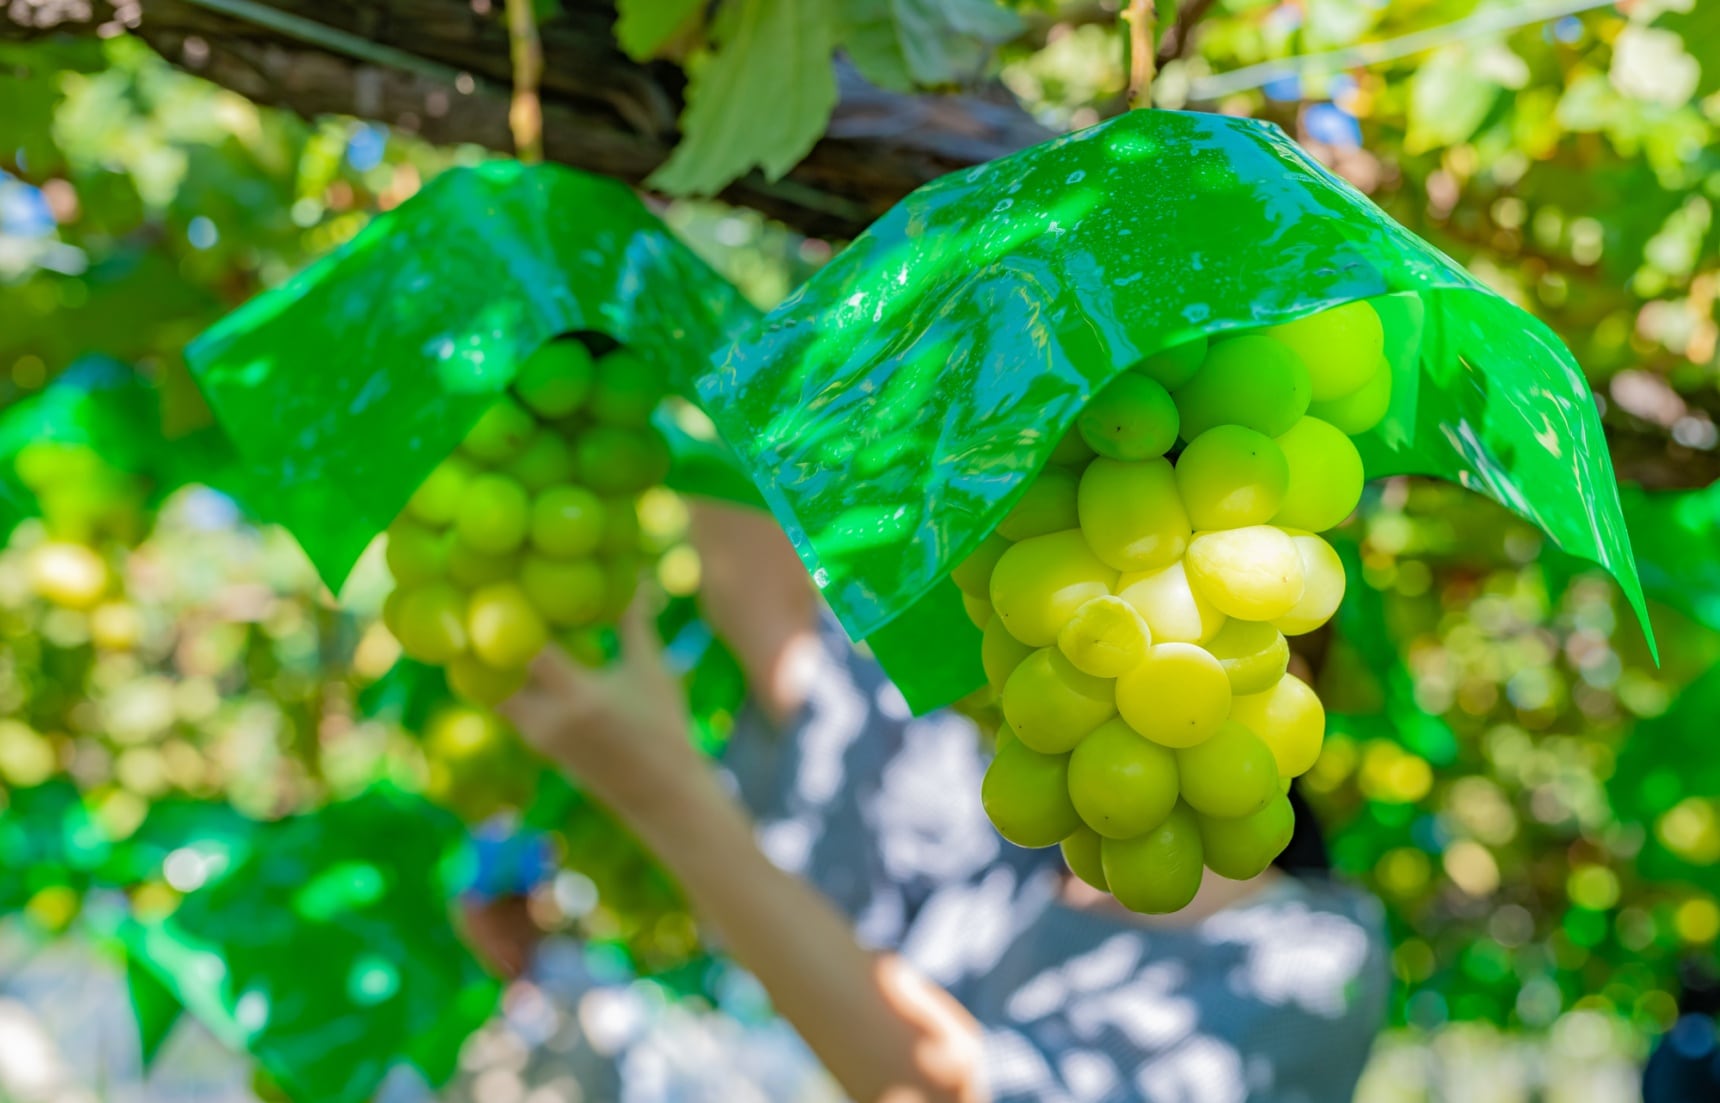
(901, 44)
(760, 100)
(893, 408)
(344, 387)
(643, 26)
(1699, 28)
(1449, 99)
(1677, 540)
(153, 1006)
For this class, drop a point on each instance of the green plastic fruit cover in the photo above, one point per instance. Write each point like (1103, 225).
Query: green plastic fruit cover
(345, 386)
(892, 409)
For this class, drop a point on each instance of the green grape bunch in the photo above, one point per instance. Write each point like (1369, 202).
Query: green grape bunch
(1135, 602)
(530, 530)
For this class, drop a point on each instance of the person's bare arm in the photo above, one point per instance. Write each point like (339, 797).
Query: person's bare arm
(886, 1034)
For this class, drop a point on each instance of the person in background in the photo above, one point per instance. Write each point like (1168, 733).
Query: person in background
(840, 854)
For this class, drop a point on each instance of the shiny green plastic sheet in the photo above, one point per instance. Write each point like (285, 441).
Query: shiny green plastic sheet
(346, 385)
(892, 409)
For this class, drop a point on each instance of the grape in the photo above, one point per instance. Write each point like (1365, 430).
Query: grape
(1254, 655)
(1039, 583)
(431, 622)
(1357, 413)
(1174, 612)
(415, 554)
(1325, 476)
(615, 460)
(470, 567)
(1254, 573)
(1230, 477)
(623, 584)
(1133, 418)
(1322, 585)
(1289, 719)
(555, 380)
(501, 433)
(569, 593)
(1071, 451)
(1026, 796)
(628, 389)
(1231, 774)
(548, 460)
(1242, 848)
(505, 630)
(620, 527)
(1173, 367)
(1051, 705)
(1159, 872)
(73, 576)
(1177, 696)
(1047, 506)
(978, 610)
(477, 681)
(1340, 346)
(1105, 637)
(973, 574)
(437, 499)
(494, 515)
(1081, 855)
(1121, 785)
(567, 521)
(1000, 653)
(1249, 381)
(1131, 514)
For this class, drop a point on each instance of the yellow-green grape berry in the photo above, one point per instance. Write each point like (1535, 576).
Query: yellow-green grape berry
(628, 389)
(1048, 505)
(437, 500)
(1254, 655)
(481, 683)
(1254, 573)
(567, 522)
(1071, 451)
(1081, 855)
(1121, 784)
(1289, 719)
(1322, 585)
(1230, 477)
(547, 461)
(1026, 796)
(1105, 637)
(1050, 705)
(72, 576)
(1325, 476)
(620, 527)
(973, 574)
(556, 379)
(623, 574)
(1361, 411)
(1000, 653)
(615, 460)
(501, 434)
(1340, 346)
(1159, 872)
(978, 609)
(431, 625)
(1132, 514)
(1250, 381)
(1038, 584)
(471, 568)
(1177, 697)
(1229, 775)
(505, 629)
(1133, 418)
(1173, 367)
(1242, 848)
(569, 593)
(494, 514)
(1174, 612)
(416, 554)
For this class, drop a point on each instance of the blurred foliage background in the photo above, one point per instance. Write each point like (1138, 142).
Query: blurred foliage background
(1531, 794)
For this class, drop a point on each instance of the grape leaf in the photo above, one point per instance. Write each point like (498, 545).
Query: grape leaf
(643, 26)
(1448, 101)
(899, 44)
(760, 100)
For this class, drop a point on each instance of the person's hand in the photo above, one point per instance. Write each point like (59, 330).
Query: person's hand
(621, 730)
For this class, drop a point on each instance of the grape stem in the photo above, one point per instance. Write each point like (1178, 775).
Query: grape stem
(525, 113)
(1141, 21)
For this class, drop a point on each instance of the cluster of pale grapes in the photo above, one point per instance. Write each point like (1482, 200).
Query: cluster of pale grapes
(1134, 607)
(531, 529)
